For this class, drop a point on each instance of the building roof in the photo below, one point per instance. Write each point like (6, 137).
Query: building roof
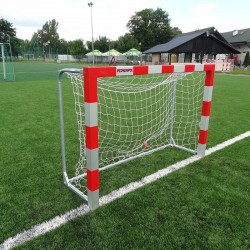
(237, 36)
(185, 43)
(177, 41)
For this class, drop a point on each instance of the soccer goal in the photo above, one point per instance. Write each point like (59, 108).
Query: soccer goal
(6, 63)
(125, 112)
(29, 56)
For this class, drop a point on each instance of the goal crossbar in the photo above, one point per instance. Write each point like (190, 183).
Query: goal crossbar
(88, 87)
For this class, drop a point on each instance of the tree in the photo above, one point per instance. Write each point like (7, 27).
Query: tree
(246, 60)
(89, 46)
(36, 45)
(63, 47)
(102, 44)
(6, 30)
(48, 35)
(151, 27)
(126, 42)
(77, 49)
(175, 31)
(8, 33)
(25, 47)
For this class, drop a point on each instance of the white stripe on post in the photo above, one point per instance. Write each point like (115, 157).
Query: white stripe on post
(92, 159)
(199, 67)
(179, 68)
(204, 122)
(155, 69)
(91, 112)
(208, 91)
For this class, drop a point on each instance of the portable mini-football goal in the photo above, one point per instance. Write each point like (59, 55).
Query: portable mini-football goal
(6, 63)
(125, 112)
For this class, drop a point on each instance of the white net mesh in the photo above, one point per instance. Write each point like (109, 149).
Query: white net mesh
(140, 114)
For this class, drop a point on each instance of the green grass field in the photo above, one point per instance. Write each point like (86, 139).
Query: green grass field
(204, 206)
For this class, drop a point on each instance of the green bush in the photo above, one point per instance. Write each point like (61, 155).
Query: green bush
(246, 60)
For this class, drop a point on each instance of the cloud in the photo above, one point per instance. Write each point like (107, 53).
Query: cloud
(27, 22)
(203, 9)
(26, 14)
(196, 16)
(110, 17)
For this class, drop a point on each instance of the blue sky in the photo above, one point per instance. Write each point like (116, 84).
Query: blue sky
(111, 16)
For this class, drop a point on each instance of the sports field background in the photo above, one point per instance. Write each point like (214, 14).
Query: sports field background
(204, 206)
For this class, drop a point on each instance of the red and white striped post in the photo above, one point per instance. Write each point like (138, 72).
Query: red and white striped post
(91, 132)
(90, 76)
(206, 107)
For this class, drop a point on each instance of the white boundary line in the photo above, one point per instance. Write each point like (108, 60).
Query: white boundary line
(58, 221)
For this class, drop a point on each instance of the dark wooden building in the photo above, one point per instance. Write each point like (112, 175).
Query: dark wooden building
(192, 46)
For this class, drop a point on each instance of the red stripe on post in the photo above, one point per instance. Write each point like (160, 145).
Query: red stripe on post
(209, 80)
(189, 68)
(106, 71)
(203, 136)
(140, 70)
(90, 85)
(91, 137)
(206, 107)
(209, 67)
(167, 68)
(90, 75)
(93, 180)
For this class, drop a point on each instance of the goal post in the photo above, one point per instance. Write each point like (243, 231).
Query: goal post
(6, 63)
(125, 112)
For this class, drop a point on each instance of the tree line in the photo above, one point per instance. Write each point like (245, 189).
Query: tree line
(147, 28)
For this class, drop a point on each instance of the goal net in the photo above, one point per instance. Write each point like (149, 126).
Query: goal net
(134, 115)
(6, 64)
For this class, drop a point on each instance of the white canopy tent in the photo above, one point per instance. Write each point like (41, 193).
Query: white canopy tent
(97, 56)
(113, 54)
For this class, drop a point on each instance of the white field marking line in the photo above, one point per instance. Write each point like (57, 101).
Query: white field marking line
(25, 72)
(228, 74)
(58, 221)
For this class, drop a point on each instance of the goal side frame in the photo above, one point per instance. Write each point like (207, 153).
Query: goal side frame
(3, 46)
(90, 78)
